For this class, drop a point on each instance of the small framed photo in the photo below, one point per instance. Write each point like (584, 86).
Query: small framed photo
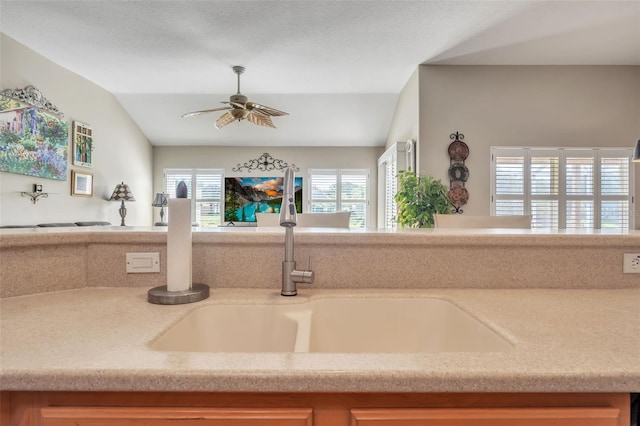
(81, 184)
(82, 144)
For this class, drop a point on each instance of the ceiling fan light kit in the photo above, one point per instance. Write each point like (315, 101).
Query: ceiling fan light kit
(239, 108)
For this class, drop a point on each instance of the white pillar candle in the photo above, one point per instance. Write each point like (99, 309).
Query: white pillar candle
(179, 245)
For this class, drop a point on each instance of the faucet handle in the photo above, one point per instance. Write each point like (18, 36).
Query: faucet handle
(305, 277)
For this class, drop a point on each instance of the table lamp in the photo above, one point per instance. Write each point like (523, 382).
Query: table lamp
(161, 201)
(636, 153)
(122, 193)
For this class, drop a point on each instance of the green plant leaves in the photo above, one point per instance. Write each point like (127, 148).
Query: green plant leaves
(419, 198)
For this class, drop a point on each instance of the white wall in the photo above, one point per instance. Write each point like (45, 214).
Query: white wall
(574, 106)
(121, 153)
(304, 158)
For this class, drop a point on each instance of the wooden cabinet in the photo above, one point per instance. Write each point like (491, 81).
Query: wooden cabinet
(583, 416)
(170, 416)
(307, 409)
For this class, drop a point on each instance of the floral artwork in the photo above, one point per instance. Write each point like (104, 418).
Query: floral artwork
(32, 142)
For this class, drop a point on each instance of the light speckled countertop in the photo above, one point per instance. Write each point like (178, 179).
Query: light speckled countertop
(97, 339)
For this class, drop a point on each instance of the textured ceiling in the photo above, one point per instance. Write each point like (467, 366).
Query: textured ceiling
(336, 66)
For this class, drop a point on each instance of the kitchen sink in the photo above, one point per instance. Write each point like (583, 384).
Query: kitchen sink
(334, 325)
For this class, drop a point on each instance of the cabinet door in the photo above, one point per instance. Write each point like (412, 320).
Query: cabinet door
(581, 416)
(170, 416)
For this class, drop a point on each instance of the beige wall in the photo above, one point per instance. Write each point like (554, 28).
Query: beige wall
(305, 158)
(573, 106)
(404, 125)
(121, 153)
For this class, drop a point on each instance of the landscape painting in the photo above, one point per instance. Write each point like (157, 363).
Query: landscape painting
(32, 142)
(246, 196)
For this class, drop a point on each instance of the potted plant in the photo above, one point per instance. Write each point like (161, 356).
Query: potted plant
(419, 198)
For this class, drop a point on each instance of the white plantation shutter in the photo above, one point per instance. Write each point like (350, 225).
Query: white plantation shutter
(324, 191)
(334, 190)
(564, 188)
(579, 192)
(398, 157)
(544, 173)
(390, 190)
(206, 207)
(615, 187)
(354, 189)
(509, 183)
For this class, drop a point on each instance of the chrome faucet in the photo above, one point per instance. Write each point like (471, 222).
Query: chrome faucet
(288, 218)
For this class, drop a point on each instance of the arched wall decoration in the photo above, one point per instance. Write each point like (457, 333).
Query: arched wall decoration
(264, 163)
(32, 96)
(458, 172)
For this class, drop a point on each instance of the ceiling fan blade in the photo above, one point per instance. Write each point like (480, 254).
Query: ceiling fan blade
(204, 111)
(224, 119)
(260, 120)
(265, 110)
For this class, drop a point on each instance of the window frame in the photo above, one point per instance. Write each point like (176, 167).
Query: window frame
(339, 174)
(193, 190)
(563, 153)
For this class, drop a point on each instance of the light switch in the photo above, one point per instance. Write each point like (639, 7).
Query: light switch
(142, 263)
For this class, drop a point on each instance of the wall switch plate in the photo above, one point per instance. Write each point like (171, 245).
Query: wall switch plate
(631, 263)
(143, 263)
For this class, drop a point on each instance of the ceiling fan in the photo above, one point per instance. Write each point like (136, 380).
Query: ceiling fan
(240, 108)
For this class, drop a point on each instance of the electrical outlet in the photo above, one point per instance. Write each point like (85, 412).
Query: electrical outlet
(631, 263)
(143, 263)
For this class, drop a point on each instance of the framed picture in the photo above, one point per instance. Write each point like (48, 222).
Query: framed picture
(81, 184)
(32, 142)
(82, 144)
(246, 196)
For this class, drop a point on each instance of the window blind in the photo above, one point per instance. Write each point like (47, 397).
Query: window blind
(334, 190)
(206, 184)
(564, 188)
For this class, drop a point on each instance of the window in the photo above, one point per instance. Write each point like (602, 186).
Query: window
(398, 157)
(206, 206)
(341, 190)
(564, 188)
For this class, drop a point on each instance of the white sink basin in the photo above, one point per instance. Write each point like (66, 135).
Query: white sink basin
(340, 325)
(232, 328)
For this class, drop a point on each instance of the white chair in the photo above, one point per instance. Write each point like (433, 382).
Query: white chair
(308, 220)
(267, 219)
(466, 221)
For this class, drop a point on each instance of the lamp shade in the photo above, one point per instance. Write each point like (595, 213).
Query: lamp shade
(636, 153)
(161, 200)
(122, 193)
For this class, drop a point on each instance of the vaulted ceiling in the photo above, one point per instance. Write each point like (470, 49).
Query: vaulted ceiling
(336, 66)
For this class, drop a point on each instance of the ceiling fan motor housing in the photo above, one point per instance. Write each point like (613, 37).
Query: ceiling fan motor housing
(238, 99)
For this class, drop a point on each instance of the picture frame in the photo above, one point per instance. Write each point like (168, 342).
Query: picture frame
(34, 141)
(246, 196)
(81, 184)
(82, 144)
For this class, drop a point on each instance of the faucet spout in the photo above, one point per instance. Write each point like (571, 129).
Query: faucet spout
(288, 218)
(288, 215)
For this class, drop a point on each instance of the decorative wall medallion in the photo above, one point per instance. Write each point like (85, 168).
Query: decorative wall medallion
(458, 195)
(458, 150)
(458, 172)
